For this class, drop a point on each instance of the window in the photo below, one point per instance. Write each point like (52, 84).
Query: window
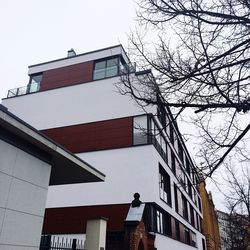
(177, 229)
(163, 223)
(34, 83)
(186, 235)
(193, 242)
(169, 159)
(192, 215)
(178, 200)
(140, 133)
(196, 183)
(188, 166)
(157, 138)
(189, 189)
(161, 115)
(171, 133)
(195, 197)
(199, 203)
(182, 177)
(165, 188)
(180, 150)
(198, 222)
(173, 162)
(184, 207)
(106, 68)
(203, 244)
(159, 222)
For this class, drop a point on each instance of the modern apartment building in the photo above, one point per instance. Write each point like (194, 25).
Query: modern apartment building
(75, 101)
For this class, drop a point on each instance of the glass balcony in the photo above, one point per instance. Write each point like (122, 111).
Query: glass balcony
(30, 88)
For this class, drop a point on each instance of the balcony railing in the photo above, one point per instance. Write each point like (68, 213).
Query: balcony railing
(51, 242)
(30, 88)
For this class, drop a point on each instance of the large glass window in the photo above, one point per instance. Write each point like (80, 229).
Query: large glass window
(106, 68)
(140, 130)
(165, 190)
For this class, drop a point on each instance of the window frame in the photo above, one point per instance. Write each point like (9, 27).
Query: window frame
(105, 69)
(165, 185)
(33, 82)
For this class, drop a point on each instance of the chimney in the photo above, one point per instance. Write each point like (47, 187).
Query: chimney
(71, 53)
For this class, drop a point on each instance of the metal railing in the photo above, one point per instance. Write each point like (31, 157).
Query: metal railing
(50, 242)
(30, 88)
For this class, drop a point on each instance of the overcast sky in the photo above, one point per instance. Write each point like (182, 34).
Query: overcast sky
(34, 31)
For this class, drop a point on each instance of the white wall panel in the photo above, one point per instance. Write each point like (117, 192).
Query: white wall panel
(31, 169)
(5, 183)
(2, 214)
(163, 242)
(7, 247)
(83, 103)
(23, 192)
(8, 157)
(21, 229)
(26, 197)
(127, 171)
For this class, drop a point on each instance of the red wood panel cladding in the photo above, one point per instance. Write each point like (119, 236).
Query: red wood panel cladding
(94, 136)
(74, 219)
(67, 76)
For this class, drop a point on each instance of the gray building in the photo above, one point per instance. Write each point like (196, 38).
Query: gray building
(224, 227)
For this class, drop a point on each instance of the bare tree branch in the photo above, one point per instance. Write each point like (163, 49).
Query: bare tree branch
(201, 60)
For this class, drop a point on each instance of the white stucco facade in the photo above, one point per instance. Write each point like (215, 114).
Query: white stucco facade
(73, 105)
(128, 170)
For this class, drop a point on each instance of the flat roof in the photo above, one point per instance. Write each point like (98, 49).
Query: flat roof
(79, 58)
(67, 168)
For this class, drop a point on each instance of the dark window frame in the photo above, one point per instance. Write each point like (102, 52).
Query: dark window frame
(106, 68)
(165, 185)
(165, 225)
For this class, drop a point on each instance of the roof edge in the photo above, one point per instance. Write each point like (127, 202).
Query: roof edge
(82, 54)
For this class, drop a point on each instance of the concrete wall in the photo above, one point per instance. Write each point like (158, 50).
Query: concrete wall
(24, 182)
